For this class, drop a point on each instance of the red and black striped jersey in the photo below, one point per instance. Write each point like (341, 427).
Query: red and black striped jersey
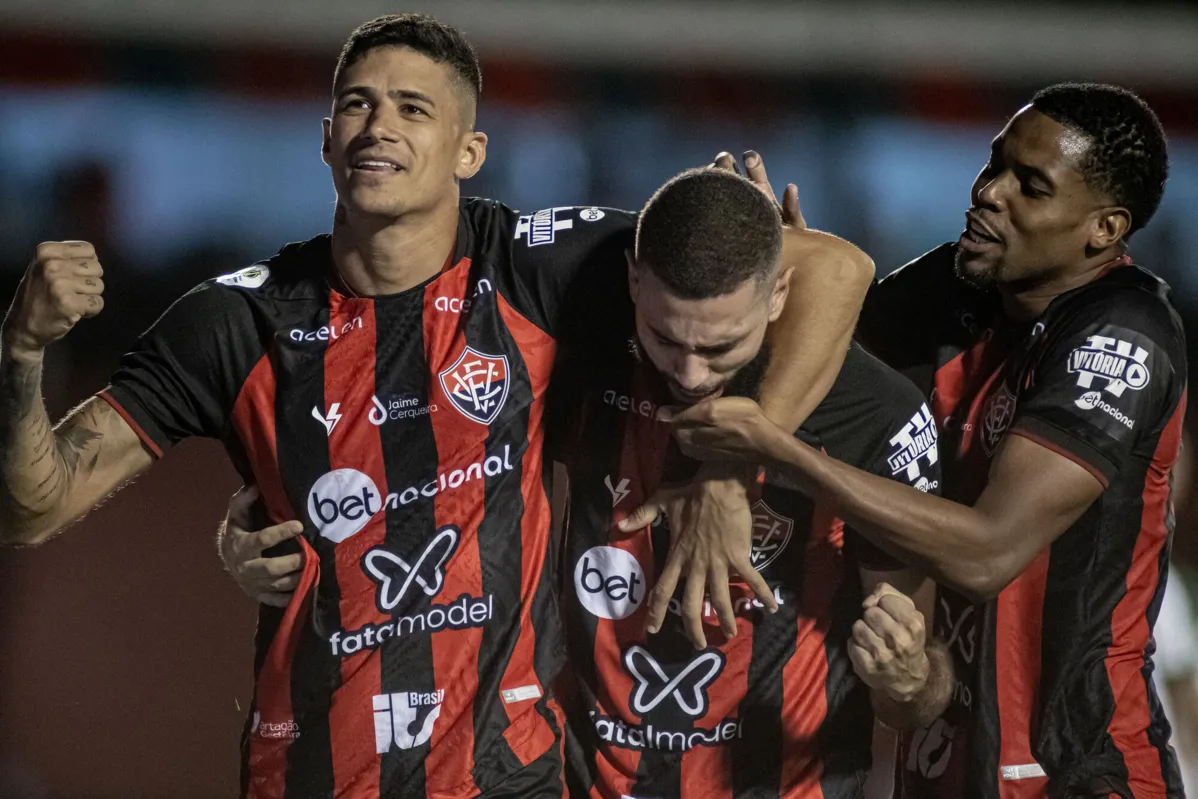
(1055, 688)
(776, 710)
(406, 432)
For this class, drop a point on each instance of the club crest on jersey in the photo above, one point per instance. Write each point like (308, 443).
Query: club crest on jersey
(771, 534)
(477, 384)
(1118, 363)
(997, 415)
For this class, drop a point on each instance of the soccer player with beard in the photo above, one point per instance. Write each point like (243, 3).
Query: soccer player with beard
(386, 384)
(1056, 372)
(771, 707)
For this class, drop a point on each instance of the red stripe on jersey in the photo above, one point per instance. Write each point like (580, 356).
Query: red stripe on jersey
(1129, 622)
(273, 729)
(254, 422)
(953, 380)
(460, 443)
(805, 676)
(354, 443)
(133, 425)
(529, 735)
(642, 458)
(1019, 615)
(1044, 442)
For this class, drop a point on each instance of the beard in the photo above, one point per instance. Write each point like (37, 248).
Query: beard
(982, 275)
(746, 382)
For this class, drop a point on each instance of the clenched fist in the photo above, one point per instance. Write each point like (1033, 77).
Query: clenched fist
(888, 648)
(61, 286)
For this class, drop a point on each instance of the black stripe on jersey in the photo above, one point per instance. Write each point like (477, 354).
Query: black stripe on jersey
(303, 453)
(1159, 732)
(500, 550)
(589, 452)
(410, 456)
(849, 712)
(757, 756)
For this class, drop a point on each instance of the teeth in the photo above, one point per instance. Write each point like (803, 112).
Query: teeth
(378, 163)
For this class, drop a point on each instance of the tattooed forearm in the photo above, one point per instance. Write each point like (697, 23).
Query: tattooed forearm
(30, 474)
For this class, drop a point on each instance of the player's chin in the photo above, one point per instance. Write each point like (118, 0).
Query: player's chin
(372, 202)
(979, 268)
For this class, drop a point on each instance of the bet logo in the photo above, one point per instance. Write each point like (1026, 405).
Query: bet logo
(609, 582)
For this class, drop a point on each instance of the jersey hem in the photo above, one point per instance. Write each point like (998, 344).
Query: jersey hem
(1060, 442)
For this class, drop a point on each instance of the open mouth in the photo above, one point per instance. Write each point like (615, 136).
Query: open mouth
(375, 164)
(977, 234)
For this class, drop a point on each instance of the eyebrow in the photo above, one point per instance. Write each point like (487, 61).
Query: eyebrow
(397, 95)
(710, 349)
(1021, 169)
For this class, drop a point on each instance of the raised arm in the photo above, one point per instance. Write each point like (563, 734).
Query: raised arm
(829, 278)
(52, 476)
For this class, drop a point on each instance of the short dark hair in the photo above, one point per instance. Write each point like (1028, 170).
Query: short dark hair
(707, 231)
(440, 42)
(1128, 157)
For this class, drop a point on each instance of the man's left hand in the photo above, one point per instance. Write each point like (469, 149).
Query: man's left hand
(711, 539)
(726, 429)
(889, 645)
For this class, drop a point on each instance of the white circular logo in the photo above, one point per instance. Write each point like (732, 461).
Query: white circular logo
(341, 502)
(610, 582)
(590, 214)
(1090, 399)
(1137, 375)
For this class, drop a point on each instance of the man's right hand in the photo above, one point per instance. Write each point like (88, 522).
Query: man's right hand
(62, 285)
(271, 581)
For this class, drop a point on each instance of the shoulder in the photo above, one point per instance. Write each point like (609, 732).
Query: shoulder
(297, 269)
(1130, 299)
(565, 226)
(296, 272)
(867, 406)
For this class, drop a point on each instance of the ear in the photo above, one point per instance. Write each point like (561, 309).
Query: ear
(634, 275)
(326, 140)
(473, 156)
(1110, 226)
(780, 292)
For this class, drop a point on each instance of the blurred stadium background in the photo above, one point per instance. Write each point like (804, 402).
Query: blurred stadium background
(181, 137)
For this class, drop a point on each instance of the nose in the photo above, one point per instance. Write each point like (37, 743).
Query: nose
(989, 193)
(691, 371)
(382, 124)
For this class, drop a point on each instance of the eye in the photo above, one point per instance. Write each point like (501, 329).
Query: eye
(1031, 190)
(354, 104)
(412, 109)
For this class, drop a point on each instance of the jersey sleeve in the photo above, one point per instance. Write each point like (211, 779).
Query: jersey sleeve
(910, 455)
(570, 265)
(177, 380)
(1106, 380)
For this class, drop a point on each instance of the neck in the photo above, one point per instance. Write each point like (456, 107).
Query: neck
(375, 258)
(1025, 301)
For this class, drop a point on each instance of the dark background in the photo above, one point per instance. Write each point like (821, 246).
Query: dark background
(182, 139)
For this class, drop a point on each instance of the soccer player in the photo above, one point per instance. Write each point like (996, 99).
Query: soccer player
(775, 708)
(1056, 373)
(385, 383)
